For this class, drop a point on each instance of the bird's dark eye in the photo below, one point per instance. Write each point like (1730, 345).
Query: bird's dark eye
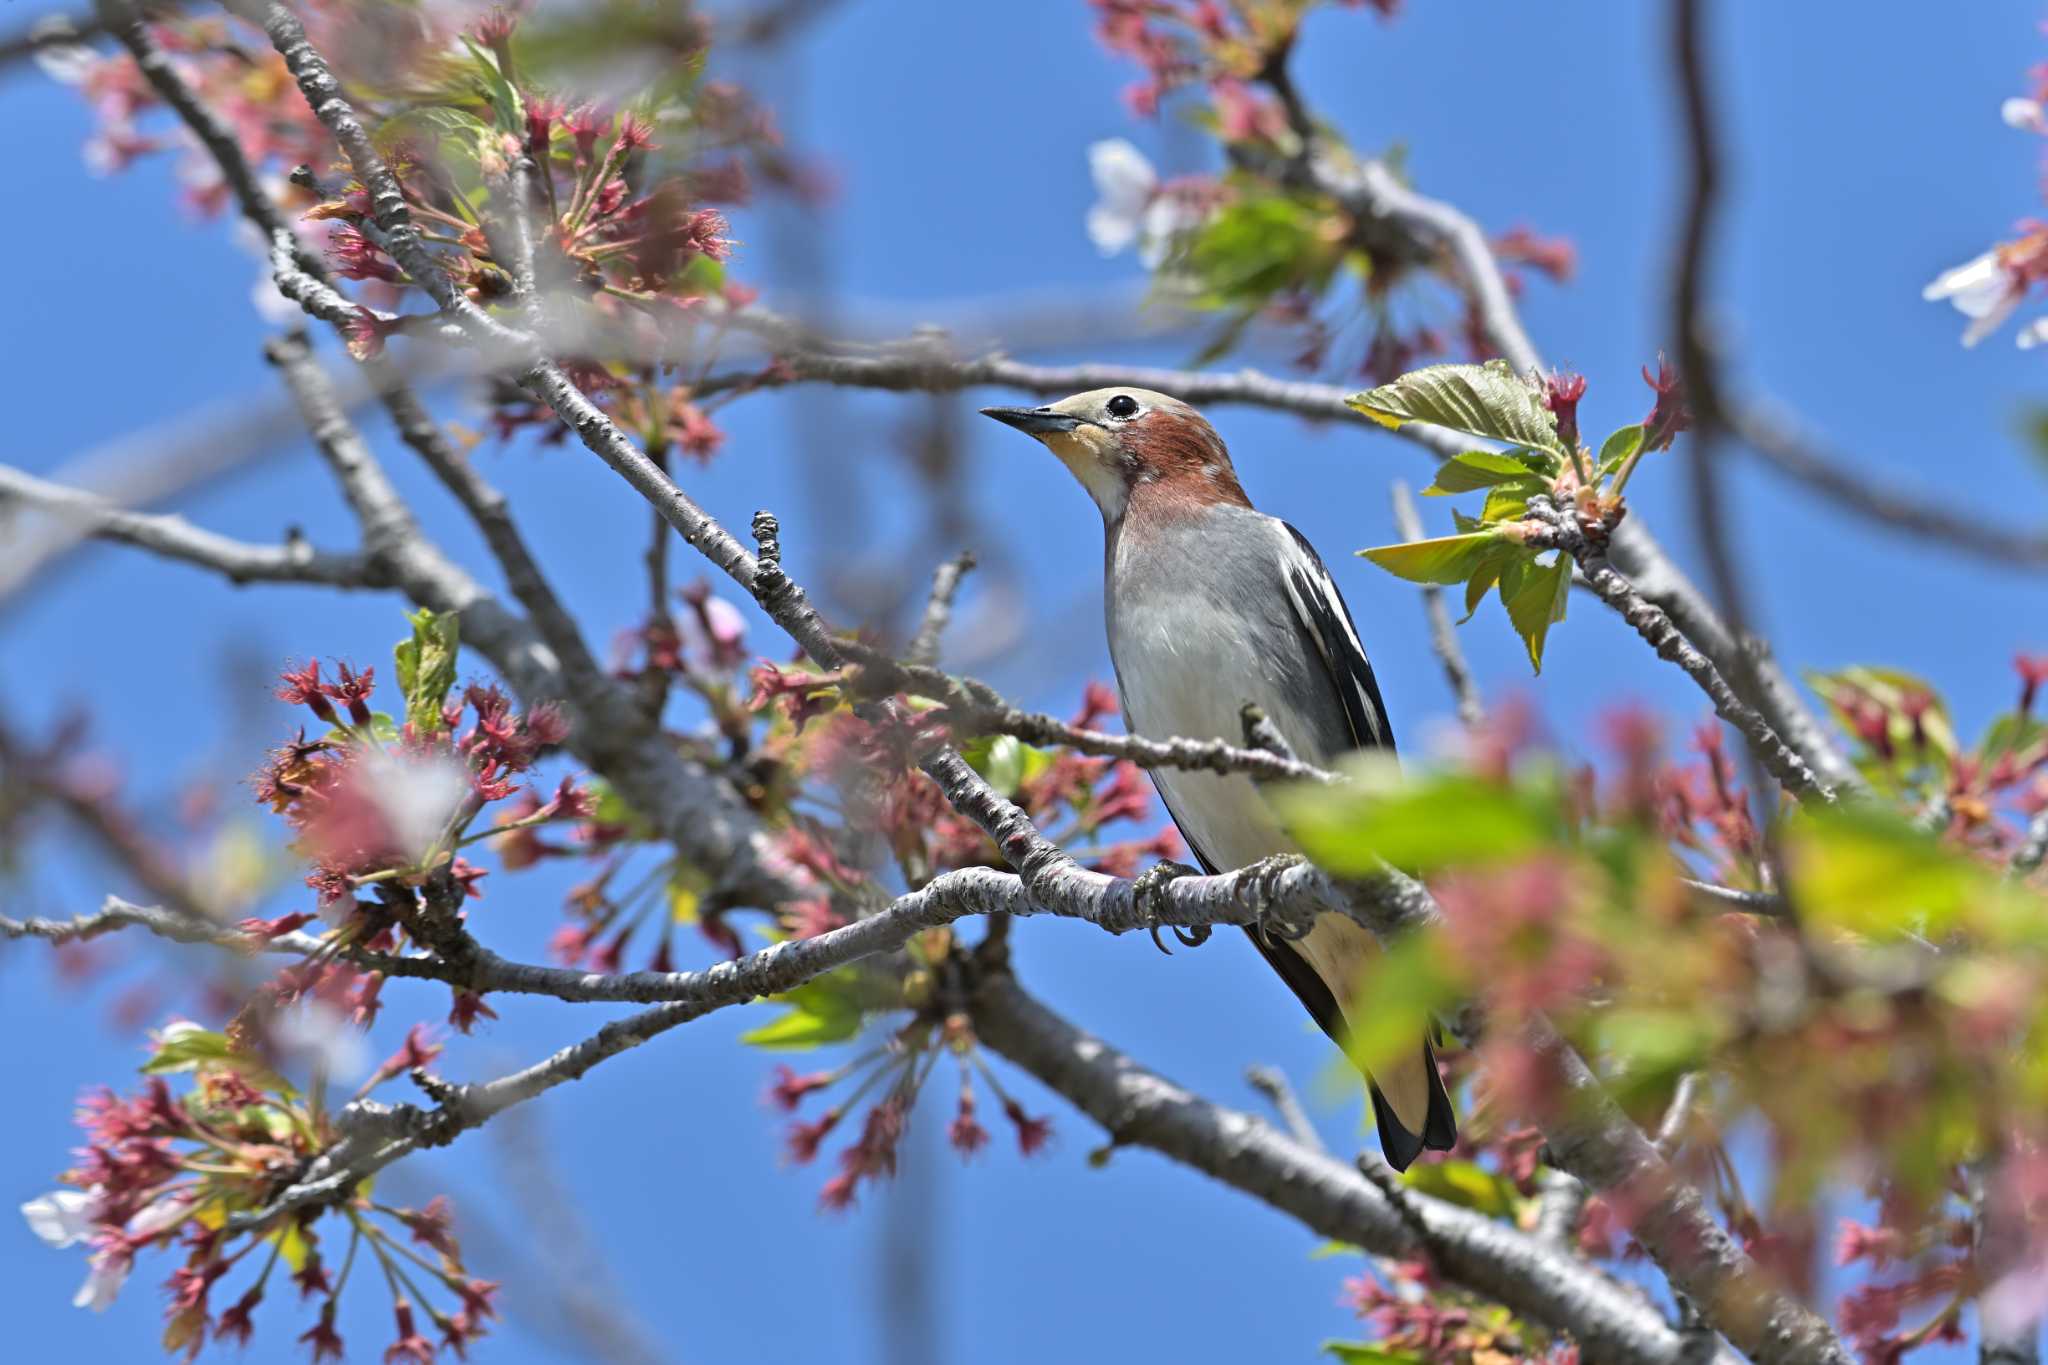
(1123, 405)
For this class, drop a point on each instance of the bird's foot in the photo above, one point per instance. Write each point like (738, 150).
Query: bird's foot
(1145, 890)
(1263, 881)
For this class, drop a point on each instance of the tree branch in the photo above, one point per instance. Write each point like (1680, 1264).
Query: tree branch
(1784, 449)
(1443, 638)
(1271, 1083)
(175, 538)
(975, 708)
(1562, 531)
(923, 649)
(1141, 1109)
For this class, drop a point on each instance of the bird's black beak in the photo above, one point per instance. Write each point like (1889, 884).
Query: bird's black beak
(1033, 421)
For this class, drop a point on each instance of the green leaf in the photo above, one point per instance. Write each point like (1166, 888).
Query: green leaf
(1534, 595)
(823, 1010)
(426, 666)
(1420, 824)
(1324, 1251)
(1652, 1048)
(1616, 449)
(1393, 1002)
(183, 1046)
(1510, 501)
(1475, 469)
(1254, 247)
(1365, 1353)
(1487, 573)
(1445, 559)
(2011, 733)
(1889, 688)
(457, 137)
(504, 100)
(1005, 764)
(1488, 400)
(292, 1246)
(1869, 871)
(609, 808)
(687, 887)
(1466, 1184)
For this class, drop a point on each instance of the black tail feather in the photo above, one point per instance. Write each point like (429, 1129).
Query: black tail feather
(1439, 1126)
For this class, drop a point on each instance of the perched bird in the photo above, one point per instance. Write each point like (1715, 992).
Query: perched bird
(1211, 605)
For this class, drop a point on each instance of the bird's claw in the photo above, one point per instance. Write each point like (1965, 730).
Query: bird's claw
(1263, 881)
(1145, 889)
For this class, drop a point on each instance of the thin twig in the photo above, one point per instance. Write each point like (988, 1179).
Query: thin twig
(975, 708)
(1443, 637)
(1678, 1114)
(1272, 1083)
(923, 648)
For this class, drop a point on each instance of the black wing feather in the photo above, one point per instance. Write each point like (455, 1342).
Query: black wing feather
(1328, 621)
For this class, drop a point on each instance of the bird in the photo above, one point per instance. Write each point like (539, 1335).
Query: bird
(1211, 604)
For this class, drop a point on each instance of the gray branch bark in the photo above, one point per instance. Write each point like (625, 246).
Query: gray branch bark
(1141, 1109)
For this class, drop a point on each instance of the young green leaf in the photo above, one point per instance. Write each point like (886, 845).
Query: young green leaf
(1621, 444)
(1486, 573)
(1419, 825)
(1488, 400)
(1871, 872)
(1534, 595)
(1446, 559)
(1466, 1184)
(509, 114)
(1475, 469)
(426, 666)
(182, 1046)
(824, 1011)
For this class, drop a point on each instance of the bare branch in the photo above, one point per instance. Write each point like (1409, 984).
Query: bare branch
(1728, 899)
(1443, 638)
(1141, 1109)
(175, 538)
(1785, 449)
(975, 708)
(1602, 1147)
(1272, 1083)
(1781, 760)
(175, 925)
(1678, 1114)
(938, 610)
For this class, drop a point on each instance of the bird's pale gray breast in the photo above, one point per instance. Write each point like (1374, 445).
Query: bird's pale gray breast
(1200, 622)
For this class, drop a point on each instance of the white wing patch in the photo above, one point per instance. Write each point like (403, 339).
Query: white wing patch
(1320, 609)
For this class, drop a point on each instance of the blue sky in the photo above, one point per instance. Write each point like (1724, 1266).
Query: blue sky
(1868, 156)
